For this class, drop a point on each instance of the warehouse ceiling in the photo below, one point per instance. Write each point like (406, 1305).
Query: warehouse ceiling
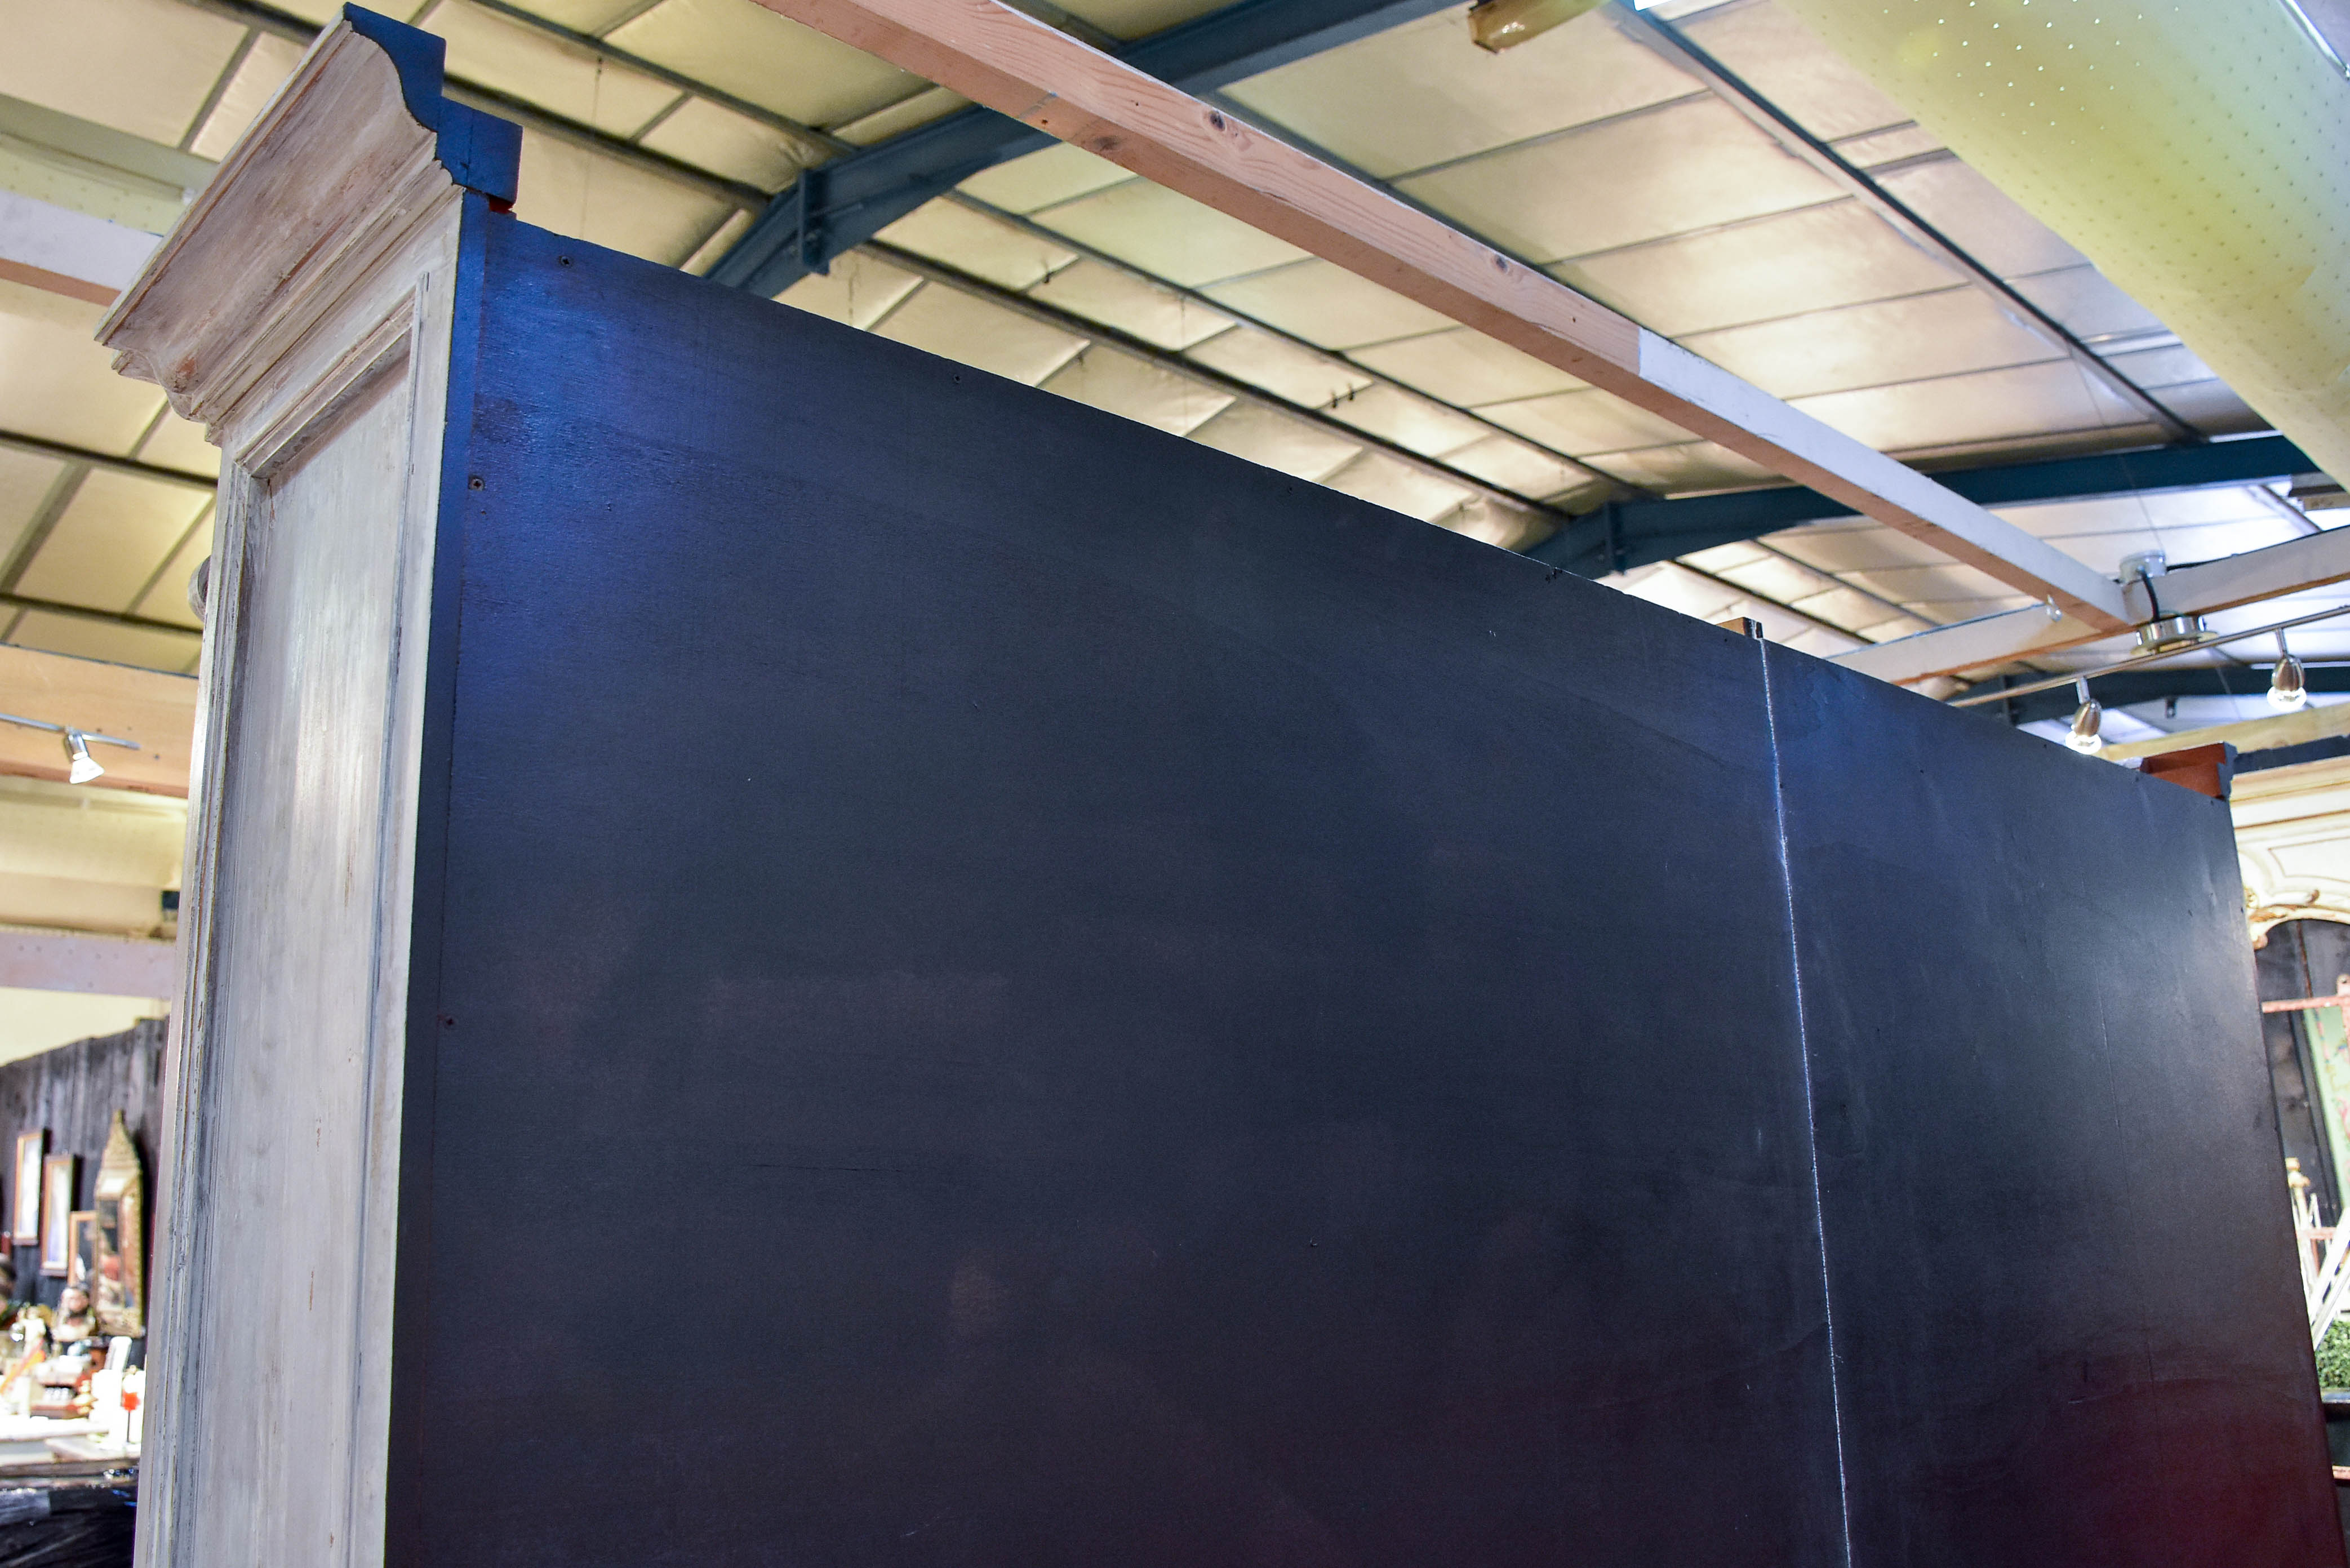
(1675, 173)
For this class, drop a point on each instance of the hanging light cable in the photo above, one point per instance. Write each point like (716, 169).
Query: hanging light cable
(80, 766)
(2087, 735)
(2288, 688)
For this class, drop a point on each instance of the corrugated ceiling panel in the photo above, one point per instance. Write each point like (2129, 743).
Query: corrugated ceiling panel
(917, 109)
(1136, 18)
(1946, 583)
(1326, 305)
(1173, 236)
(1520, 467)
(2213, 407)
(1044, 178)
(509, 57)
(1686, 465)
(109, 540)
(712, 136)
(1979, 218)
(167, 599)
(1663, 172)
(1263, 436)
(1854, 546)
(574, 191)
(1279, 367)
(858, 290)
(1375, 477)
(55, 383)
(1421, 424)
(969, 329)
(1785, 61)
(1990, 405)
(25, 481)
(1140, 310)
(1768, 574)
(269, 62)
(585, 15)
(1816, 259)
(1883, 147)
(973, 243)
(1122, 384)
(722, 240)
(1461, 99)
(1465, 367)
(1585, 422)
(178, 443)
(766, 59)
(142, 66)
(2089, 306)
(1924, 336)
(115, 644)
(2171, 365)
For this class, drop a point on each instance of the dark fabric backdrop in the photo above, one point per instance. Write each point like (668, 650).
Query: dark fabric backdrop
(74, 1092)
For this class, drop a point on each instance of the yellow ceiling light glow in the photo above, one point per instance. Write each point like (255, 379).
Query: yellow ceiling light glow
(2197, 154)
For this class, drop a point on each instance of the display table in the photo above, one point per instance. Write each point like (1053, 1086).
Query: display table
(67, 1515)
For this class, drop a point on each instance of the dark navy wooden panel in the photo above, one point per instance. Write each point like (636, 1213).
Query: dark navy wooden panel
(2067, 1324)
(1148, 1013)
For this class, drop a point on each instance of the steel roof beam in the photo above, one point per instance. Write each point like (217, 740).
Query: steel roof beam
(1627, 534)
(834, 208)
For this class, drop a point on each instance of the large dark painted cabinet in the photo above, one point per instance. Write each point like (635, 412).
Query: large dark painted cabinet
(802, 956)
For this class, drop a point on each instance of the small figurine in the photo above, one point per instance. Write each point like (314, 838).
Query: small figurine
(76, 1320)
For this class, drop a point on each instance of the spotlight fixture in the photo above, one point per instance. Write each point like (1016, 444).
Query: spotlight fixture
(2088, 732)
(2288, 688)
(80, 766)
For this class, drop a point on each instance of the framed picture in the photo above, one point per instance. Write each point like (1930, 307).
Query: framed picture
(56, 1212)
(30, 1147)
(119, 1269)
(83, 1265)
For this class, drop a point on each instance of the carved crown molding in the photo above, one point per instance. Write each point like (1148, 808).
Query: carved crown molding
(355, 150)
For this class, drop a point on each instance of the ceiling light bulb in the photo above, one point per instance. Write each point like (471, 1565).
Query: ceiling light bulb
(84, 767)
(2288, 688)
(2088, 732)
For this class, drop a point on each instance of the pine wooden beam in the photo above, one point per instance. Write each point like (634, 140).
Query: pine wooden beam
(155, 710)
(996, 56)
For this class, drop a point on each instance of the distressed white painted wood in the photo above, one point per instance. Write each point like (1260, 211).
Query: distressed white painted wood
(302, 312)
(1968, 644)
(2311, 561)
(66, 251)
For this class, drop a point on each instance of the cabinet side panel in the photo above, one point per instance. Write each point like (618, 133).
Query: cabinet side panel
(2069, 1323)
(276, 1305)
(1141, 1011)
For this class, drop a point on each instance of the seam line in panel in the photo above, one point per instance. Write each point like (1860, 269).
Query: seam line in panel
(1811, 1121)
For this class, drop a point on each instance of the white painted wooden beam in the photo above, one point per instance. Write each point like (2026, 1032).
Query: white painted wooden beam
(2308, 562)
(1011, 62)
(98, 966)
(64, 252)
(1969, 644)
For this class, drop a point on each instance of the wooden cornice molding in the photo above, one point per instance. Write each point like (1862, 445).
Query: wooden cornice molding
(997, 56)
(356, 150)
